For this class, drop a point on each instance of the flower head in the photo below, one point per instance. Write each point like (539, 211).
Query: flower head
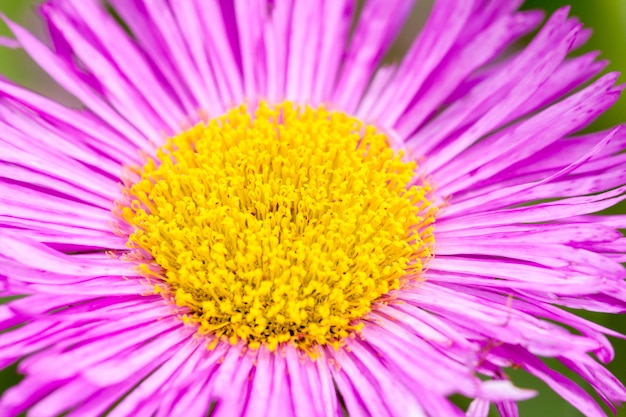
(250, 215)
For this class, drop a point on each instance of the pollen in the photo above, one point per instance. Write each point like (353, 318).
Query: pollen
(282, 225)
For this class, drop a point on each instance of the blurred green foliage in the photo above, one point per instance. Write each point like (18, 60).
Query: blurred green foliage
(608, 20)
(15, 64)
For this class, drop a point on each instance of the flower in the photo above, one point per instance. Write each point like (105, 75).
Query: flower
(249, 217)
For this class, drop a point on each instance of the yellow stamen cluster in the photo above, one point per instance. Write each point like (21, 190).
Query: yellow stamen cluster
(280, 226)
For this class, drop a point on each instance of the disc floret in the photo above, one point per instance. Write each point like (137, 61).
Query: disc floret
(285, 225)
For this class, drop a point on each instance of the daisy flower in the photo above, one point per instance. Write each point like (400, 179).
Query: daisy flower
(251, 215)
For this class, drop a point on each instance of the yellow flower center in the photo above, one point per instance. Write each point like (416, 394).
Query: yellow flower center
(285, 225)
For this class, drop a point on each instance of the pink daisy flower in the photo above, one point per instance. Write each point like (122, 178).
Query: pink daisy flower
(250, 215)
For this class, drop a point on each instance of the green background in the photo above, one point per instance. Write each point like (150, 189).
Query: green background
(606, 17)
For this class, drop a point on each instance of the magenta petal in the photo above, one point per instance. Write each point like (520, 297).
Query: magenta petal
(488, 122)
(478, 408)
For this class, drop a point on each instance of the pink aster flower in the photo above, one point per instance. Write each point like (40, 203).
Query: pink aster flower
(250, 215)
